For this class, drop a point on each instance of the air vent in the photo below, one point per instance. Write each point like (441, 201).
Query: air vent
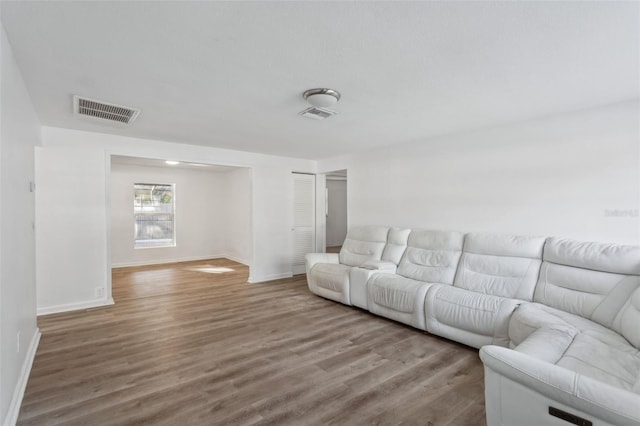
(317, 113)
(104, 110)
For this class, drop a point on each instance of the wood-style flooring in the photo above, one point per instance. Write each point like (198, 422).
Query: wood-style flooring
(194, 344)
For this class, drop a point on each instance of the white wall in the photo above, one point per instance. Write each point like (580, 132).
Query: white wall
(273, 208)
(236, 222)
(566, 175)
(73, 226)
(337, 212)
(202, 216)
(19, 133)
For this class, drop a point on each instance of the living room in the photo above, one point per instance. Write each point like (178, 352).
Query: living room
(517, 118)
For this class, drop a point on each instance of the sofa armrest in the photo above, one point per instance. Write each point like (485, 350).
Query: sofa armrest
(596, 398)
(313, 258)
(548, 344)
(359, 277)
(380, 265)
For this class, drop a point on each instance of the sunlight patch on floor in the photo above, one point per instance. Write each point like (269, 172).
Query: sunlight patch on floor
(209, 269)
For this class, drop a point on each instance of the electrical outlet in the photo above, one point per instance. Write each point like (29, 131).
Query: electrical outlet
(99, 292)
(18, 342)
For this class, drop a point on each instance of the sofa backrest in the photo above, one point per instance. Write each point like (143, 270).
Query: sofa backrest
(500, 265)
(363, 243)
(396, 245)
(432, 256)
(593, 280)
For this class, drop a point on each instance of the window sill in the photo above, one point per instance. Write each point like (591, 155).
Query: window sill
(154, 244)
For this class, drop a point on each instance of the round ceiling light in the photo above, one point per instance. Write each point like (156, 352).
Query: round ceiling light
(322, 98)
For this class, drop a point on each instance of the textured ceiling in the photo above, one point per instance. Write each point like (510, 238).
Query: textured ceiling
(231, 74)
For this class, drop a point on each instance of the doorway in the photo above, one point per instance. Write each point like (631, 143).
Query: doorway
(336, 210)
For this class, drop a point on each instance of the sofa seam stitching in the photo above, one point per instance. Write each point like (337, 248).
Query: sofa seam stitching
(594, 366)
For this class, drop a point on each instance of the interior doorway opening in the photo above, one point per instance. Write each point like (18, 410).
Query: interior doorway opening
(165, 211)
(336, 210)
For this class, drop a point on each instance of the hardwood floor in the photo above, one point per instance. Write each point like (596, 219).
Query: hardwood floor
(194, 344)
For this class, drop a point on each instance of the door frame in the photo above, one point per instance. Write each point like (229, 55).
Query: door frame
(297, 269)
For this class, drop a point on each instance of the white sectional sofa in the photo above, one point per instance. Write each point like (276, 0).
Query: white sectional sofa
(557, 321)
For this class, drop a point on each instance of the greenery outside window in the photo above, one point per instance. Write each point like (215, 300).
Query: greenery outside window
(153, 208)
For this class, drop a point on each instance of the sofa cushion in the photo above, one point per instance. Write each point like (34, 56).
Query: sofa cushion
(474, 319)
(500, 265)
(397, 298)
(617, 365)
(593, 280)
(431, 256)
(363, 243)
(530, 317)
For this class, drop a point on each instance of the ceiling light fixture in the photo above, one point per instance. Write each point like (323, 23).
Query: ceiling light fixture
(172, 162)
(322, 98)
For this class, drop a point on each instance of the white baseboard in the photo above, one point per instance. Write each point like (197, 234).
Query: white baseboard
(272, 277)
(21, 385)
(163, 261)
(237, 259)
(46, 310)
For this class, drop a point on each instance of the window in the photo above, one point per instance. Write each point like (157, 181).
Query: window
(153, 208)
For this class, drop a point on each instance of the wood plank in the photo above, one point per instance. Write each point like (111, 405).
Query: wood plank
(193, 343)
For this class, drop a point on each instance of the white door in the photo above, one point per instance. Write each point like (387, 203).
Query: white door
(304, 228)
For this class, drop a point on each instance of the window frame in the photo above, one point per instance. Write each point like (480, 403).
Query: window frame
(162, 243)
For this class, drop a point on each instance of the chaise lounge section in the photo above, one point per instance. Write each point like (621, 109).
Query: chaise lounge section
(576, 347)
(557, 321)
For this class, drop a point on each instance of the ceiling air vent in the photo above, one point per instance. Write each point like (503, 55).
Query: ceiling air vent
(104, 110)
(317, 113)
